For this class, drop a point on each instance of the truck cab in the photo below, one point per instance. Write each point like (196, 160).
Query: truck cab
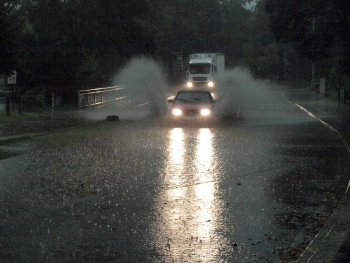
(201, 73)
(202, 70)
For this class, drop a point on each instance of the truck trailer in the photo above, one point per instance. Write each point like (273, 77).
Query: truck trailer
(204, 69)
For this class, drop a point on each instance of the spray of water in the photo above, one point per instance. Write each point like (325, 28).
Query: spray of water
(145, 92)
(238, 90)
(145, 82)
(259, 102)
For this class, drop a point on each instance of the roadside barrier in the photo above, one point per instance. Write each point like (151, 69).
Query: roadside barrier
(92, 97)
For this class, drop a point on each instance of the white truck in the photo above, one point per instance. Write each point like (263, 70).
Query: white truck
(204, 68)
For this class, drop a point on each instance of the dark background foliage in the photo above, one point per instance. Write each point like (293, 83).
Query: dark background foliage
(65, 45)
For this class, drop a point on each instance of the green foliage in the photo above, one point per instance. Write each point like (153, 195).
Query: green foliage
(312, 26)
(194, 26)
(33, 99)
(70, 44)
(67, 43)
(15, 116)
(10, 25)
(261, 53)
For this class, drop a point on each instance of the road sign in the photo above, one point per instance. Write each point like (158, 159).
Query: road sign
(12, 79)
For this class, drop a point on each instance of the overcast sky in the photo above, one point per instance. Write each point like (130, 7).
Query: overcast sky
(251, 5)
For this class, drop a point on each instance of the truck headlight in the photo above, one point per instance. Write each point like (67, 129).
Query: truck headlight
(205, 112)
(177, 112)
(189, 84)
(211, 84)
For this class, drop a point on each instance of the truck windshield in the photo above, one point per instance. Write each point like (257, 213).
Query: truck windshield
(200, 68)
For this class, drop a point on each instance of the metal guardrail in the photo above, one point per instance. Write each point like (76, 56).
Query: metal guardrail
(92, 97)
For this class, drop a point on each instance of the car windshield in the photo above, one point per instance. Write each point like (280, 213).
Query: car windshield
(193, 97)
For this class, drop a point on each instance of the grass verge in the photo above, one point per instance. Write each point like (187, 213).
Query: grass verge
(17, 140)
(74, 134)
(6, 154)
(55, 139)
(334, 96)
(15, 116)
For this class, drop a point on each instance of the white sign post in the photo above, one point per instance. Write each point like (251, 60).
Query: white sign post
(12, 79)
(322, 86)
(53, 102)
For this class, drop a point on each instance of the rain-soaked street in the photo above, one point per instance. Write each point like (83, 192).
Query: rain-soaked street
(256, 189)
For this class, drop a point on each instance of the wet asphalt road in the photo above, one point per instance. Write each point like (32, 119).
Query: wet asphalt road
(253, 190)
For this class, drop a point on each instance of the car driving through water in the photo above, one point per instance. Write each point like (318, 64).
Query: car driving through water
(192, 106)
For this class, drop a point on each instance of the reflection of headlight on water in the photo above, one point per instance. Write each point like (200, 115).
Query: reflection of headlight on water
(205, 112)
(177, 112)
(189, 84)
(211, 84)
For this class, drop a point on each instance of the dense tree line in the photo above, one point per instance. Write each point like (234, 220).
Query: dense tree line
(316, 29)
(70, 44)
(10, 27)
(78, 43)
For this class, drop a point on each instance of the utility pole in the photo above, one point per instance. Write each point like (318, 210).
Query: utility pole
(8, 101)
(313, 63)
(20, 102)
(285, 66)
(286, 63)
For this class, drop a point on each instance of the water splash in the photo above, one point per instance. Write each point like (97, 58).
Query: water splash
(238, 89)
(145, 79)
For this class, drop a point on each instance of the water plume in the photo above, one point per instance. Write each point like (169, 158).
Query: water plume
(145, 81)
(238, 89)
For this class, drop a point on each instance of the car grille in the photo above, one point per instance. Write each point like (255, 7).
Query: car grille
(200, 78)
(191, 112)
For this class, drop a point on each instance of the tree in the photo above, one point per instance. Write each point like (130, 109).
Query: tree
(67, 43)
(236, 31)
(70, 44)
(312, 26)
(10, 27)
(248, 39)
(194, 26)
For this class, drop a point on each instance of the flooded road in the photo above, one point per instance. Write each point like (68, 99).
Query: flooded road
(256, 190)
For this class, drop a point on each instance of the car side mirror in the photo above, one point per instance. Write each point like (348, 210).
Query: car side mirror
(170, 100)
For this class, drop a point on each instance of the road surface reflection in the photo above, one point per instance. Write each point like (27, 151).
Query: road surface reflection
(187, 218)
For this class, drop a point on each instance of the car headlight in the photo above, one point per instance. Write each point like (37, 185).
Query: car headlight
(211, 84)
(205, 112)
(189, 84)
(177, 112)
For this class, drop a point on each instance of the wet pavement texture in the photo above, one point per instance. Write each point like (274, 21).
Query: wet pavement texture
(256, 190)
(343, 255)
